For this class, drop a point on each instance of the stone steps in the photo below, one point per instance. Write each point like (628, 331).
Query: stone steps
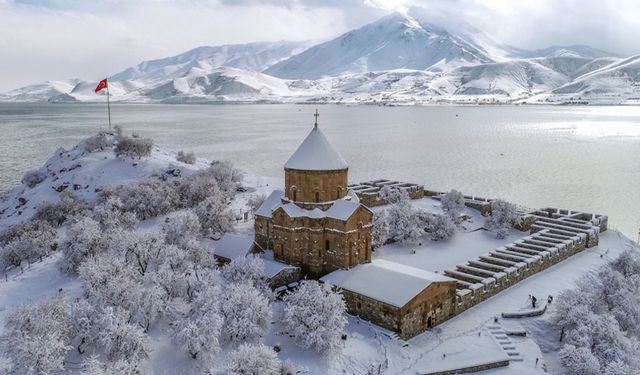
(500, 335)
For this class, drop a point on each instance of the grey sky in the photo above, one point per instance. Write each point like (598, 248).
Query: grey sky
(58, 39)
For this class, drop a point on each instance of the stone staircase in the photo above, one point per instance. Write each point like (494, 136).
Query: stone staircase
(500, 335)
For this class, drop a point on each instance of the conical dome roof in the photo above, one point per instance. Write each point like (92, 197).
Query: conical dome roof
(316, 154)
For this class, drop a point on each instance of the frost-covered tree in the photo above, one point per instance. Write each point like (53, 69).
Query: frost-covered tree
(98, 142)
(27, 241)
(148, 198)
(84, 239)
(287, 367)
(579, 361)
(186, 157)
(85, 325)
(34, 177)
(198, 333)
(215, 217)
(37, 336)
(256, 201)
(403, 220)
(453, 204)
(246, 312)
(122, 340)
(249, 268)
(628, 263)
(503, 216)
(130, 284)
(67, 207)
(315, 315)
(599, 321)
(220, 180)
(182, 229)
(440, 227)
(228, 177)
(130, 147)
(112, 213)
(392, 195)
(253, 359)
(380, 229)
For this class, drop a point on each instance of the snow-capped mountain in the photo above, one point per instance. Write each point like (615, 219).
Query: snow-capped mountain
(394, 42)
(397, 59)
(251, 56)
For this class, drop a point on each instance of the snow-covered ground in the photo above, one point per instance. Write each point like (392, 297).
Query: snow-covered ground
(470, 241)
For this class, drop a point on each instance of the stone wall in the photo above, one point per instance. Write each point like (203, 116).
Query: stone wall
(471, 369)
(368, 192)
(467, 298)
(322, 245)
(285, 277)
(432, 306)
(302, 186)
(483, 205)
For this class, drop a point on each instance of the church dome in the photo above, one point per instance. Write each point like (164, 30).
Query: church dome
(316, 154)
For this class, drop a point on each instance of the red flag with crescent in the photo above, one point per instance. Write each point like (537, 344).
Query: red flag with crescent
(102, 85)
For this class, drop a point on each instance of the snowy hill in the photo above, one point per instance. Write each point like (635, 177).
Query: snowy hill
(399, 59)
(620, 79)
(563, 51)
(394, 42)
(84, 174)
(251, 56)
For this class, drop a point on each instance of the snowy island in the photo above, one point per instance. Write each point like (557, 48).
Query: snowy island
(120, 257)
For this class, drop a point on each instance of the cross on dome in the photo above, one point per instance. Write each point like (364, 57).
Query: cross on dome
(316, 116)
(316, 153)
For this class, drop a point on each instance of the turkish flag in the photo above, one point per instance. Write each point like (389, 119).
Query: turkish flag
(102, 85)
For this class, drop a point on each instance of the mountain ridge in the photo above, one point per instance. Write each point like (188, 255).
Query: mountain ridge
(397, 59)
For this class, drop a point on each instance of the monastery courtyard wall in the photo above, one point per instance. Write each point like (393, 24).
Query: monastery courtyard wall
(554, 235)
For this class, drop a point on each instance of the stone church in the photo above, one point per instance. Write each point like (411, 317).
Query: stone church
(315, 223)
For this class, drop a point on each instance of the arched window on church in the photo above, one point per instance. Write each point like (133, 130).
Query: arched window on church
(338, 193)
(317, 197)
(327, 245)
(295, 195)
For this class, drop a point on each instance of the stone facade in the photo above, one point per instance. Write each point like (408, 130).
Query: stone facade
(311, 189)
(432, 306)
(322, 245)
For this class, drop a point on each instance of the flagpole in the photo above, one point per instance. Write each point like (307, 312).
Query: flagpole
(108, 104)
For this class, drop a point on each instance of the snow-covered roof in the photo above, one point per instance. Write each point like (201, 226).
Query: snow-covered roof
(316, 154)
(385, 281)
(342, 209)
(270, 204)
(232, 246)
(273, 267)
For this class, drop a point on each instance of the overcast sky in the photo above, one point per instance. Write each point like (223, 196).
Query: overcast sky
(58, 39)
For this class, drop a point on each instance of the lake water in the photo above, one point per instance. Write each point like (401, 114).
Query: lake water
(585, 158)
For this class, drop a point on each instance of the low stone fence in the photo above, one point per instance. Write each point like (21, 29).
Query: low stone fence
(483, 205)
(525, 314)
(368, 192)
(471, 369)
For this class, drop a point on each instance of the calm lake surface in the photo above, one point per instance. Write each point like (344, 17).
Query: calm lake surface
(585, 158)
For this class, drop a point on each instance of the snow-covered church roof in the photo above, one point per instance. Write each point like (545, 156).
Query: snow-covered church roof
(316, 154)
(341, 209)
(385, 281)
